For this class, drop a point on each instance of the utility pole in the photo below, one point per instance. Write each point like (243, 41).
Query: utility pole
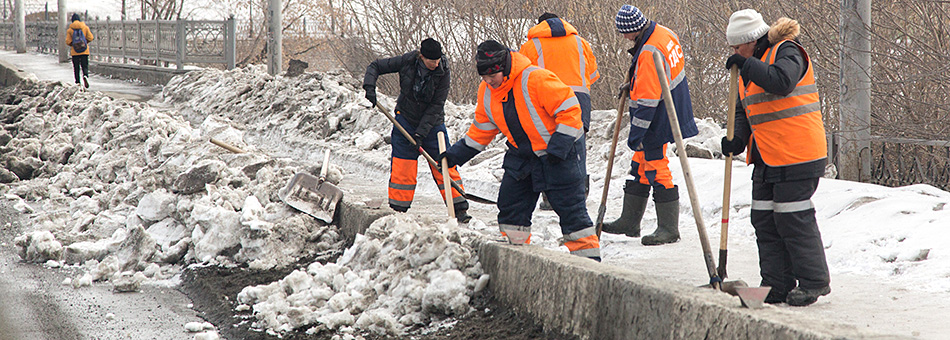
(19, 41)
(274, 50)
(61, 25)
(854, 112)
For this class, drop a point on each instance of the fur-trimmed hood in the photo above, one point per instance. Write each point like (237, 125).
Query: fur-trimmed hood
(784, 29)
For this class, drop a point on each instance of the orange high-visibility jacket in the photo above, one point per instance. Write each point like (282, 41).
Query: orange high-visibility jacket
(545, 106)
(787, 130)
(649, 124)
(568, 55)
(78, 25)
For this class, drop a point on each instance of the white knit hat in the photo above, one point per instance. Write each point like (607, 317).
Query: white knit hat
(745, 26)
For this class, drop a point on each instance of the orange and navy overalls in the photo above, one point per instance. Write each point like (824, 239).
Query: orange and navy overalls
(541, 119)
(650, 130)
(420, 110)
(786, 142)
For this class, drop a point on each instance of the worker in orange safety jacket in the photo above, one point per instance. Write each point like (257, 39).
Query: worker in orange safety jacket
(553, 44)
(541, 119)
(779, 125)
(650, 130)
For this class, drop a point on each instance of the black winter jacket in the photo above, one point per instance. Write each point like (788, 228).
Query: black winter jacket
(423, 106)
(780, 78)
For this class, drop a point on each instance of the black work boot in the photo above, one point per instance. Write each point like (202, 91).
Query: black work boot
(629, 221)
(462, 216)
(804, 296)
(667, 218)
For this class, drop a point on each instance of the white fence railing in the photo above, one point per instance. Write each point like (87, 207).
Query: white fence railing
(146, 42)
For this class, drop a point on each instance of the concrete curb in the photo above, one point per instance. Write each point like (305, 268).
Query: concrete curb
(10, 75)
(597, 301)
(591, 300)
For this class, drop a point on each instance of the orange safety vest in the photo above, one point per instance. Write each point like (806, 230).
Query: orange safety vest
(568, 55)
(787, 130)
(544, 104)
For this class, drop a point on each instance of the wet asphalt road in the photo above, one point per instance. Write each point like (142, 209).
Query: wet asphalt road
(34, 304)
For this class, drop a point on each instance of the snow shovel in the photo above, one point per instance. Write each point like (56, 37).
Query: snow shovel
(314, 196)
(610, 162)
(714, 279)
(431, 160)
(727, 173)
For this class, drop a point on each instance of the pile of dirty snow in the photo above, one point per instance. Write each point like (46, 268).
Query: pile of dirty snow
(118, 186)
(399, 274)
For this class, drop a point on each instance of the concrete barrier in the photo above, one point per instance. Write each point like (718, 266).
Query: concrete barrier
(146, 74)
(592, 300)
(10, 75)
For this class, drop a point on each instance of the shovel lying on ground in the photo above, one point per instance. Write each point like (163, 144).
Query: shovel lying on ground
(714, 280)
(311, 195)
(431, 160)
(314, 196)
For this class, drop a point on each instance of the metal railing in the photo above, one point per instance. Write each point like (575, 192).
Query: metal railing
(906, 161)
(146, 42)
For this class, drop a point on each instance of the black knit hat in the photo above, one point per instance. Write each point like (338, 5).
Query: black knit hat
(546, 16)
(75, 17)
(431, 49)
(492, 57)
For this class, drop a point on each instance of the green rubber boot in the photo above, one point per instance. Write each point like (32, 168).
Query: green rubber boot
(629, 221)
(667, 218)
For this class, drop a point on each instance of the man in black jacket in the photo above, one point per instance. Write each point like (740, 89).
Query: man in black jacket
(778, 117)
(424, 85)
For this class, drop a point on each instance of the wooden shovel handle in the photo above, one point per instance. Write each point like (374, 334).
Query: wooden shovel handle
(226, 146)
(727, 173)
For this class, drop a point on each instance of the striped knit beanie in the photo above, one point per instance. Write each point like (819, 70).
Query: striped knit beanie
(630, 19)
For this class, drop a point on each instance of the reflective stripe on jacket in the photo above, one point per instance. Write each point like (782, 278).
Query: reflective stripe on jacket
(649, 123)
(546, 108)
(568, 55)
(777, 120)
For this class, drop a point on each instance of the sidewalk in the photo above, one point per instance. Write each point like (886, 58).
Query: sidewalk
(47, 67)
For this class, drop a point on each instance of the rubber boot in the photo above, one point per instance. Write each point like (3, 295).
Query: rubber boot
(462, 216)
(629, 221)
(667, 217)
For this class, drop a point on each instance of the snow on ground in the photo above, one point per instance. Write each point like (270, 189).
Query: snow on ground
(399, 274)
(117, 186)
(896, 236)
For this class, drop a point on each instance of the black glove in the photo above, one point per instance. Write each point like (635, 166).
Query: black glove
(440, 157)
(624, 90)
(735, 59)
(732, 147)
(370, 94)
(418, 139)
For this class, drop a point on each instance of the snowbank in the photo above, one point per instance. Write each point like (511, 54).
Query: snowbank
(124, 183)
(401, 273)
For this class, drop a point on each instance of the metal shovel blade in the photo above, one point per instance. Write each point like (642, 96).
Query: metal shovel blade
(308, 194)
(517, 236)
(753, 297)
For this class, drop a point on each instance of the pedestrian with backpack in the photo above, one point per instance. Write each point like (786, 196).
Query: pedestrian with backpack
(78, 37)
